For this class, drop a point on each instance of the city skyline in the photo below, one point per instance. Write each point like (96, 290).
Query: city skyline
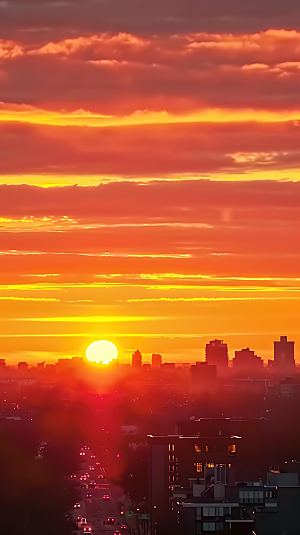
(216, 353)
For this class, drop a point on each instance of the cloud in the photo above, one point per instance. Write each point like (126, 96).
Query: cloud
(14, 298)
(191, 299)
(33, 19)
(120, 74)
(182, 149)
(91, 319)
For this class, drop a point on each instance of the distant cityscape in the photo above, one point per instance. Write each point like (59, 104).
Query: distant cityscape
(216, 363)
(156, 449)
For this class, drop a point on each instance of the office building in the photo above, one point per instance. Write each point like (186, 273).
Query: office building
(284, 351)
(136, 359)
(216, 353)
(156, 360)
(203, 377)
(246, 360)
(175, 460)
(23, 368)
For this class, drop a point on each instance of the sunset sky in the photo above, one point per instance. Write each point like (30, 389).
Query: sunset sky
(150, 185)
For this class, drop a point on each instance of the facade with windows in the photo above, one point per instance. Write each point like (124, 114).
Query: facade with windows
(174, 460)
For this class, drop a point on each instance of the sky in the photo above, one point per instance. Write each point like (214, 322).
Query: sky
(149, 176)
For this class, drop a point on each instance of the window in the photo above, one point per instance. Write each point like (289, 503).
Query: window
(210, 465)
(220, 432)
(271, 494)
(171, 458)
(251, 496)
(209, 526)
(171, 447)
(171, 468)
(199, 467)
(206, 448)
(213, 511)
(232, 448)
(171, 479)
(197, 449)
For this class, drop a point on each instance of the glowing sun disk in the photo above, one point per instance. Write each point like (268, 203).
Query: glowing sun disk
(101, 351)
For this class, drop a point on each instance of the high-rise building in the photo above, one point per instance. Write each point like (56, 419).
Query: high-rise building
(136, 359)
(203, 377)
(284, 352)
(156, 360)
(216, 353)
(246, 360)
(23, 368)
(2, 367)
(178, 460)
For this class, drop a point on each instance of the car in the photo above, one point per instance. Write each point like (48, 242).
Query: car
(79, 518)
(123, 527)
(117, 532)
(100, 476)
(110, 520)
(83, 522)
(106, 497)
(93, 456)
(88, 494)
(91, 468)
(98, 464)
(77, 506)
(82, 453)
(87, 530)
(92, 484)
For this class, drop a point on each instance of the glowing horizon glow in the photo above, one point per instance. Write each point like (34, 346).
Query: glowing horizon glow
(101, 351)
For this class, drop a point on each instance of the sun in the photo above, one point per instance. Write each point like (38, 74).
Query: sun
(101, 351)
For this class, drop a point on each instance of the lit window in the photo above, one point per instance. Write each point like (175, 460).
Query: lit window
(232, 448)
(171, 458)
(199, 467)
(171, 468)
(171, 479)
(206, 448)
(210, 465)
(171, 447)
(197, 449)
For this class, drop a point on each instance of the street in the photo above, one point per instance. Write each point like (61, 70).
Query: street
(100, 506)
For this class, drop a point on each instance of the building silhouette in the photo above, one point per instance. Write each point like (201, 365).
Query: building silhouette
(284, 354)
(216, 353)
(136, 359)
(246, 360)
(156, 360)
(22, 367)
(203, 377)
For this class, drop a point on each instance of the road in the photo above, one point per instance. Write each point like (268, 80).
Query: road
(95, 509)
